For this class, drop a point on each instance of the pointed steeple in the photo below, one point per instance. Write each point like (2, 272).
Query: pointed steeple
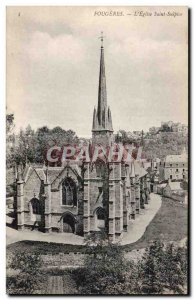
(102, 95)
(102, 120)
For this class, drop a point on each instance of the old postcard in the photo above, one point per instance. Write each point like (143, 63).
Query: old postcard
(97, 150)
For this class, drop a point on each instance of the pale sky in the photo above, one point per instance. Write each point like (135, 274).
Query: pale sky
(53, 56)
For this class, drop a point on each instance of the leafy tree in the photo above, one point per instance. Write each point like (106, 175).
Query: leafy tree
(28, 281)
(151, 264)
(9, 139)
(164, 269)
(9, 123)
(32, 145)
(42, 143)
(175, 271)
(104, 269)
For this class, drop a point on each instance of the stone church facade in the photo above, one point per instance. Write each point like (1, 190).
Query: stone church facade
(84, 198)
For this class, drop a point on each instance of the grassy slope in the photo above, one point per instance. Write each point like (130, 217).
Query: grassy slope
(169, 224)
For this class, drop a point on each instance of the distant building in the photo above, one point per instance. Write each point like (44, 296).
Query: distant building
(180, 128)
(174, 167)
(170, 127)
(173, 190)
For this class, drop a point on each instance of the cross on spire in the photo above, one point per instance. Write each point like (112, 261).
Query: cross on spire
(102, 39)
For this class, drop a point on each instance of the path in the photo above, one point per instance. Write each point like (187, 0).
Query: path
(138, 226)
(55, 285)
(136, 229)
(13, 236)
(61, 285)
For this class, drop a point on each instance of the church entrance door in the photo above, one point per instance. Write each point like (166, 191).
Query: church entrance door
(68, 224)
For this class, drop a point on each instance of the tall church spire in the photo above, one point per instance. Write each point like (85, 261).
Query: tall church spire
(102, 119)
(102, 95)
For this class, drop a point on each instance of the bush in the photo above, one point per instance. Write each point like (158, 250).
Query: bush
(28, 280)
(104, 269)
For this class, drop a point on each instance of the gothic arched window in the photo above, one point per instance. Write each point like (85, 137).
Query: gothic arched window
(69, 192)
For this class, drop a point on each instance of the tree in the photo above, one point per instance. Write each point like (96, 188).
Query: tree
(104, 268)
(164, 269)
(28, 281)
(9, 139)
(9, 123)
(151, 265)
(175, 270)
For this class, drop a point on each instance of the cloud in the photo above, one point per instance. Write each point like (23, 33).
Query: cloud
(64, 47)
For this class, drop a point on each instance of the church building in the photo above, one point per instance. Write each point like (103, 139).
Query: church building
(87, 197)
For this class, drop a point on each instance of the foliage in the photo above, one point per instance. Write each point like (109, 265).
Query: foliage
(164, 269)
(156, 145)
(30, 145)
(104, 269)
(9, 138)
(9, 123)
(165, 144)
(28, 281)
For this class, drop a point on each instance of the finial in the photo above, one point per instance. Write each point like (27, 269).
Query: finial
(102, 39)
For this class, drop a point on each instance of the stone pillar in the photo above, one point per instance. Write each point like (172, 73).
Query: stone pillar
(125, 207)
(86, 202)
(137, 193)
(128, 194)
(20, 204)
(133, 200)
(148, 187)
(156, 181)
(142, 195)
(118, 200)
(124, 197)
(111, 216)
(47, 213)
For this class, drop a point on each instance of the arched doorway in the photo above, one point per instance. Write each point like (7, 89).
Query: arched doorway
(100, 218)
(68, 223)
(36, 209)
